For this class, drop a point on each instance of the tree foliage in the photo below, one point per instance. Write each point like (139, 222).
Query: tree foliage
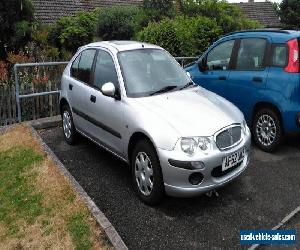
(228, 16)
(183, 35)
(289, 11)
(117, 22)
(72, 32)
(16, 17)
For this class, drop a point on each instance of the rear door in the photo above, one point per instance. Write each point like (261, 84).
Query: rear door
(217, 62)
(247, 79)
(79, 90)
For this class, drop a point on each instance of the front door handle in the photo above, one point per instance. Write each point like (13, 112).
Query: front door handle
(70, 87)
(93, 98)
(222, 78)
(257, 79)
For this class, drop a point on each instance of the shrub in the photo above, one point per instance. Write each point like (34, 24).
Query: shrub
(153, 11)
(72, 32)
(117, 22)
(228, 16)
(16, 17)
(182, 36)
(289, 11)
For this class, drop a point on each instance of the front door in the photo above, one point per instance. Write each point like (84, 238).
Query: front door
(217, 62)
(106, 113)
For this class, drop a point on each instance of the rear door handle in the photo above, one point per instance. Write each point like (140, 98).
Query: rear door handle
(222, 78)
(70, 87)
(93, 98)
(257, 79)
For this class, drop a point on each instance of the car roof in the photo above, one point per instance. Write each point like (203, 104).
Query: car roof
(122, 45)
(276, 35)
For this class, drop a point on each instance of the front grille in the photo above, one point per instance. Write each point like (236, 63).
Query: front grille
(228, 137)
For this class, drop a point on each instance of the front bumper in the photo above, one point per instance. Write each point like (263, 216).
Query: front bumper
(176, 179)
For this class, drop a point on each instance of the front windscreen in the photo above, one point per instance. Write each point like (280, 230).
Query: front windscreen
(146, 71)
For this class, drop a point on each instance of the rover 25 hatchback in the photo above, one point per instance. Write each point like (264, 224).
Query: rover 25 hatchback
(259, 72)
(134, 100)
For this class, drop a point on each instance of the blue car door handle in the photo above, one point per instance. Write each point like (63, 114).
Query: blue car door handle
(257, 79)
(222, 78)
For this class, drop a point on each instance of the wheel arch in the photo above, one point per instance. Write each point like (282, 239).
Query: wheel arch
(63, 102)
(135, 137)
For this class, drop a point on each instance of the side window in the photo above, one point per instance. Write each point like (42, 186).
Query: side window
(85, 65)
(279, 55)
(105, 70)
(251, 54)
(219, 57)
(74, 67)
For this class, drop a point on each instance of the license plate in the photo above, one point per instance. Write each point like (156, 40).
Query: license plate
(233, 159)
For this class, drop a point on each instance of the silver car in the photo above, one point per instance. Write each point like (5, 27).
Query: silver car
(134, 100)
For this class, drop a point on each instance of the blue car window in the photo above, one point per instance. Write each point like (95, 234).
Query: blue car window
(279, 55)
(219, 57)
(251, 54)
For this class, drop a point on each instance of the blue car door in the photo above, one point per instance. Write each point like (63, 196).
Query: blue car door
(247, 78)
(213, 69)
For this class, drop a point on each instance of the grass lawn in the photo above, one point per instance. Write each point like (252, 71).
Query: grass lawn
(38, 207)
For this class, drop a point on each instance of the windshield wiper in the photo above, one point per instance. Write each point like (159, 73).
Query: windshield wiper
(188, 85)
(164, 89)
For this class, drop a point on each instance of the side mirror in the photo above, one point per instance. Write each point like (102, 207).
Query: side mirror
(108, 89)
(202, 65)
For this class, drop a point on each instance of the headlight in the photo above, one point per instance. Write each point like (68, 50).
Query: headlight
(192, 144)
(188, 145)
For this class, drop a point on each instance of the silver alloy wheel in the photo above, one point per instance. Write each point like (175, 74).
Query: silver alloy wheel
(144, 173)
(266, 130)
(67, 126)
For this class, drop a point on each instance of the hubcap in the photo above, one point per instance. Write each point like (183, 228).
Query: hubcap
(144, 173)
(266, 130)
(67, 124)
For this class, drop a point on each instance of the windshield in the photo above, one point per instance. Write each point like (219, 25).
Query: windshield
(150, 71)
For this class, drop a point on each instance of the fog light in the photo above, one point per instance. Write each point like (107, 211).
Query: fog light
(198, 165)
(196, 178)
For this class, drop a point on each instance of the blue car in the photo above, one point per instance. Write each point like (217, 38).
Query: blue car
(258, 71)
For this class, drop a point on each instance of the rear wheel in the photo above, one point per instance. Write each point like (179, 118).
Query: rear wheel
(146, 173)
(267, 129)
(69, 130)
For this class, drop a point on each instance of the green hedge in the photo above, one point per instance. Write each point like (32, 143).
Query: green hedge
(117, 22)
(182, 36)
(69, 33)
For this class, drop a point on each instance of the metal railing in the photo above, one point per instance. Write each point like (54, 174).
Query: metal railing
(181, 60)
(19, 96)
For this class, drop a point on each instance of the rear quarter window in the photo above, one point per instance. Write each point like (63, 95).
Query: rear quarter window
(279, 55)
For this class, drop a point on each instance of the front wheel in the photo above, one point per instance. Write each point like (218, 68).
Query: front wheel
(146, 173)
(267, 130)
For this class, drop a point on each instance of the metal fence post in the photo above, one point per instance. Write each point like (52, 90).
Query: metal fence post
(17, 92)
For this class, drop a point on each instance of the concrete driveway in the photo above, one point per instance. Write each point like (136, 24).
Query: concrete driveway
(259, 199)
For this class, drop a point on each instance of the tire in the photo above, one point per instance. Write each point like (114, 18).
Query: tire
(69, 130)
(267, 130)
(144, 150)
